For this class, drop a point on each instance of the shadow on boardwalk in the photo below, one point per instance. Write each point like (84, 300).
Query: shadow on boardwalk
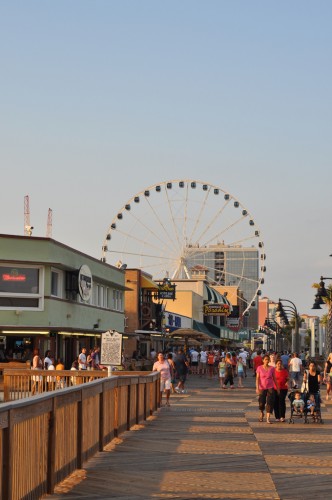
(209, 444)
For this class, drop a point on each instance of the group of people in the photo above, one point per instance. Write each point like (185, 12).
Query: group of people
(276, 375)
(83, 362)
(175, 367)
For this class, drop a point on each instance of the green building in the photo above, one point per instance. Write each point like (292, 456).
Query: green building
(55, 297)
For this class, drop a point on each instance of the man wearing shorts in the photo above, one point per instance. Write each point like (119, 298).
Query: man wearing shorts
(162, 366)
(202, 363)
(194, 355)
(295, 369)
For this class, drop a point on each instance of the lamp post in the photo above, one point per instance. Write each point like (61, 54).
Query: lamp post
(281, 310)
(324, 296)
(271, 324)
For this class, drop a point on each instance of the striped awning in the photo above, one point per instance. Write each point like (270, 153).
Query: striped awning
(212, 296)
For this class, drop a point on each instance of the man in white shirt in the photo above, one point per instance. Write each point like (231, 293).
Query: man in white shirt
(295, 369)
(202, 363)
(82, 363)
(194, 355)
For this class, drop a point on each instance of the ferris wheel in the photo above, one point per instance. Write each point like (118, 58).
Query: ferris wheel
(180, 228)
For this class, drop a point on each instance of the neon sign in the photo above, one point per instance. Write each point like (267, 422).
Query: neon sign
(11, 277)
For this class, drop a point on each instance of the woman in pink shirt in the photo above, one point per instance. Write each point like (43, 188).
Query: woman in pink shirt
(163, 367)
(265, 383)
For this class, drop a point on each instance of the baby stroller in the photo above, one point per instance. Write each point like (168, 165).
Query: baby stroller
(316, 417)
(297, 413)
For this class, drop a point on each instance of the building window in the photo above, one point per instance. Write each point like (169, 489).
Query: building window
(101, 296)
(21, 287)
(117, 300)
(56, 283)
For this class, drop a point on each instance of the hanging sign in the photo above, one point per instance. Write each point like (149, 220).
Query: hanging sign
(166, 291)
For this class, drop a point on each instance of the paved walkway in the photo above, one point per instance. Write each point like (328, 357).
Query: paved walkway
(209, 444)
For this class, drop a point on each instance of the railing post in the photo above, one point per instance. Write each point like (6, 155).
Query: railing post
(51, 449)
(101, 420)
(145, 400)
(116, 411)
(151, 397)
(128, 405)
(6, 387)
(80, 432)
(137, 401)
(7, 455)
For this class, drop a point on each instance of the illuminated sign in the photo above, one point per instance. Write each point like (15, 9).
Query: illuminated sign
(13, 277)
(216, 309)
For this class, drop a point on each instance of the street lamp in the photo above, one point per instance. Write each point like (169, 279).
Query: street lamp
(283, 314)
(271, 324)
(322, 294)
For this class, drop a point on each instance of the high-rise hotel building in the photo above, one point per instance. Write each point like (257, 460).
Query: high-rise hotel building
(232, 266)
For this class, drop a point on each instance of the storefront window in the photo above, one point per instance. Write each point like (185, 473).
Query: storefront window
(21, 287)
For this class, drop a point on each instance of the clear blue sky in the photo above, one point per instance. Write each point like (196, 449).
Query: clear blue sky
(99, 99)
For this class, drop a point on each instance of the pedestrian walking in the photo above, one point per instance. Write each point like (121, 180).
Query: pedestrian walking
(265, 383)
(295, 369)
(282, 376)
(228, 372)
(163, 367)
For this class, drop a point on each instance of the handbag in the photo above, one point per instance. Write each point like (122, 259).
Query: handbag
(304, 386)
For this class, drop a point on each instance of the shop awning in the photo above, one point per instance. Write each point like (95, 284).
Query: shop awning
(214, 297)
(222, 332)
(201, 327)
(148, 283)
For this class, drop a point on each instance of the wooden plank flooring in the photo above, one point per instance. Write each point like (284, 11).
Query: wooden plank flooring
(209, 444)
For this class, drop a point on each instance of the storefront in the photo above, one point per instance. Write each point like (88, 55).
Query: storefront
(55, 297)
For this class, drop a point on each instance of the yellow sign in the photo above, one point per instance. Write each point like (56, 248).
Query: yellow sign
(216, 310)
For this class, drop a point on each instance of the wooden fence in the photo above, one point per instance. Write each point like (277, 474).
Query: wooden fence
(21, 383)
(46, 437)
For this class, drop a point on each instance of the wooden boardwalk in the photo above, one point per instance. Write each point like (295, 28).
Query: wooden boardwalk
(209, 444)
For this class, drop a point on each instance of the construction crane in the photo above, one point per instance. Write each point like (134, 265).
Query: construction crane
(49, 224)
(27, 226)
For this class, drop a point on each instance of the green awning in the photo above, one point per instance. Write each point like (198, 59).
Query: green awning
(223, 332)
(201, 327)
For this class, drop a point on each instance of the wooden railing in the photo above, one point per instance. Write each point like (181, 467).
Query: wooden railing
(46, 437)
(20, 383)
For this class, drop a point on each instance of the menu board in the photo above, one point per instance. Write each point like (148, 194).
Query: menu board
(111, 348)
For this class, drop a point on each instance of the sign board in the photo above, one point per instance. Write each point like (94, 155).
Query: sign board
(111, 348)
(232, 322)
(166, 291)
(85, 283)
(216, 310)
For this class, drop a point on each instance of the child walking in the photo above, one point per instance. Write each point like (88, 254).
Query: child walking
(222, 368)
(240, 372)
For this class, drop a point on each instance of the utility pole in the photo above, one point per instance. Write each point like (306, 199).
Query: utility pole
(27, 226)
(49, 223)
